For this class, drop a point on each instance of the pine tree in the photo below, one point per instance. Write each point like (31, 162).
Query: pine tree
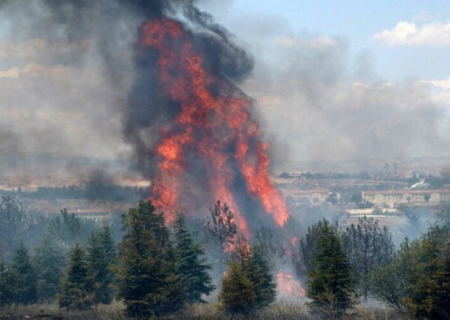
(7, 284)
(389, 283)
(221, 226)
(107, 242)
(308, 245)
(148, 283)
(367, 246)
(13, 224)
(100, 257)
(67, 227)
(237, 294)
(429, 282)
(76, 288)
(248, 284)
(25, 276)
(189, 264)
(50, 261)
(330, 284)
(258, 271)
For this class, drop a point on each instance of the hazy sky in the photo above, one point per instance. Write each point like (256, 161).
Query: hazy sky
(332, 80)
(406, 38)
(348, 79)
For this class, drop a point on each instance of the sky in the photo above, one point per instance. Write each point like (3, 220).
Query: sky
(332, 80)
(368, 26)
(363, 79)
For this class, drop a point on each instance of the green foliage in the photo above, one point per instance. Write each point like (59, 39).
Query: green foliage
(248, 284)
(25, 280)
(76, 291)
(7, 284)
(308, 246)
(189, 264)
(148, 283)
(66, 227)
(330, 284)
(50, 262)
(259, 273)
(237, 294)
(101, 255)
(265, 241)
(367, 246)
(429, 282)
(418, 278)
(389, 283)
(13, 223)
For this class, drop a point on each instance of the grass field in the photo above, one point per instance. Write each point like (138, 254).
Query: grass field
(282, 310)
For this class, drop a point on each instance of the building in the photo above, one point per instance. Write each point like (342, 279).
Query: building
(394, 198)
(309, 197)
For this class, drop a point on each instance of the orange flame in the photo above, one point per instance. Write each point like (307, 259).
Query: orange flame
(217, 128)
(288, 285)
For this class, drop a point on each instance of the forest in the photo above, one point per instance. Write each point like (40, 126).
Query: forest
(65, 267)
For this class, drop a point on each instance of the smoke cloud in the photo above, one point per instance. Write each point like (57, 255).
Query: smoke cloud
(66, 68)
(322, 103)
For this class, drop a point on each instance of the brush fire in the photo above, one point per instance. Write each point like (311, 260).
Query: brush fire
(208, 144)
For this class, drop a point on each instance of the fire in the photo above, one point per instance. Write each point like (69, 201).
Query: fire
(213, 149)
(288, 285)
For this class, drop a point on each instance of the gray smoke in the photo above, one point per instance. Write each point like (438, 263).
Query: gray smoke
(322, 103)
(66, 68)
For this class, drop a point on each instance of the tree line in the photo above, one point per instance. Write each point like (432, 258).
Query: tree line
(155, 269)
(344, 265)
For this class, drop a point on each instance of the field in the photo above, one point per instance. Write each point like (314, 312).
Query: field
(282, 310)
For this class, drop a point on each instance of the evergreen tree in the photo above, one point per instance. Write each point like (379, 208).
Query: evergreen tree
(50, 261)
(67, 228)
(248, 284)
(25, 283)
(76, 288)
(13, 224)
(108, 244)
(308, 246)
(148, 282)
(100, 257)
(367, 246)
(221, 226)
(330, 284)
(258, 272)
(237, 294)
(7, 284)
(429, 282)
(189, 264)
(389, 283)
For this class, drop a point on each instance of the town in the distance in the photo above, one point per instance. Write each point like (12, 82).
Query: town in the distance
(394, 191)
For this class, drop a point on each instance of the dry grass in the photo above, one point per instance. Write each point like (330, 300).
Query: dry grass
(282, 310)
(113, 311)
(368, 313)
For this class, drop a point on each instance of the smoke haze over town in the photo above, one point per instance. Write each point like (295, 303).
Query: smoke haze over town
(66, 69)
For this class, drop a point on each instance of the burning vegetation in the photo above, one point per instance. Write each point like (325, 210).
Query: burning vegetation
(204, 144)
(195, 136)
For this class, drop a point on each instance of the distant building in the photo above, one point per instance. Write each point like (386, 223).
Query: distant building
(314, 196)
(370, 212)
(394, 198)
